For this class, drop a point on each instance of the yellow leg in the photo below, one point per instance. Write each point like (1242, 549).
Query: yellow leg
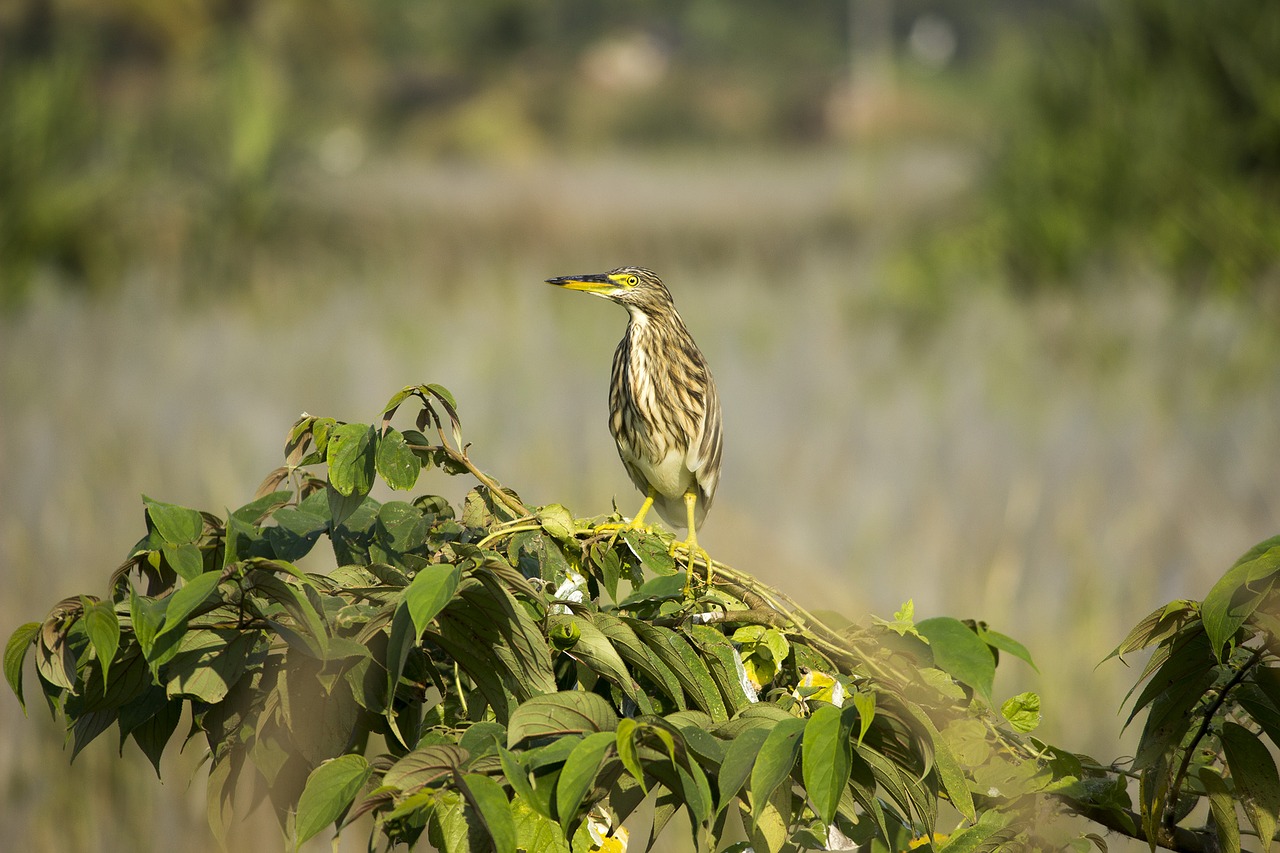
(691, 543)
(638, 521)
(635, 523)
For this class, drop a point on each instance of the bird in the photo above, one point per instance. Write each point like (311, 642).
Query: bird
(664, 412)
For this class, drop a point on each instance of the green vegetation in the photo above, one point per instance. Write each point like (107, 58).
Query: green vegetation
(1144, 132)
(1056, 456)
(138, 143)
(134, 143)
(534, 681)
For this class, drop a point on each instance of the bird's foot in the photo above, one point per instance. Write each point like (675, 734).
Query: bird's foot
(692, 552)
(619, 526)
(611, 530)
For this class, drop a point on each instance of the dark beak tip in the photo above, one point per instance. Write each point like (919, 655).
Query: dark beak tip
(592, 278)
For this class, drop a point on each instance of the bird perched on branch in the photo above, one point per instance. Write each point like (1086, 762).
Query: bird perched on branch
(663, 410)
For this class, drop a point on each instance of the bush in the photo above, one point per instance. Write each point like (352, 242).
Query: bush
(533, 678)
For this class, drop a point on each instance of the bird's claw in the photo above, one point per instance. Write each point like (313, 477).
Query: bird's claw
(618, 527)
(692, 552)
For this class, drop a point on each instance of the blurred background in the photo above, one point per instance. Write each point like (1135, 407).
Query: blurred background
(991, 292)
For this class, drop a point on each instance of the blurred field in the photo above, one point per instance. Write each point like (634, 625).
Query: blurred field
(1057, 466)
(993, 318)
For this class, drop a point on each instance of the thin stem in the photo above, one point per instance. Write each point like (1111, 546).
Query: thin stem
(507, 531)
(1210, 713)
(762, 616)
(488, 482)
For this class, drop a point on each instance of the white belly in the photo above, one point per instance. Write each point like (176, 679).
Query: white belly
(668, 475)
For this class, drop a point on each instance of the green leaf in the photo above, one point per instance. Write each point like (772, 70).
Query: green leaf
(1157, 626)
(517, 775)
(55, 661)
(695, 790)
(431, 589)
(889, 779)
(152, 734)
(243, 540)
(351, 459)
(948, 768)
(628, 751)
(255, 511)
(557, 521)
(1188, 656)
(402, 526)
(482, 738)
(650, 550)
(104, 633)
(1261, 709)
(343, 507)
(398, 398)
(88, 726)
(770, 821)
(685, 663)
(296, 604)
(1170, 717)
(218, 795)
(594, 651)
(1022, 711)
(444, 394)
(295, 532)
(177, 525)
(487, 798)
(452, 825)
(185, 601)
(826, 757)
(1006, 644)
(535, 832)
(1223, 808)
(494, 638)
(425, 765)
(579, 773)
(864, 701)
(609, 562)
(15, 652)
(662, 588)
(903, 623)
(1238, 593)
(739, 758)
(208, 662)
(395, 462)
(330, 789)
(862, 791)
(401, 643)
(559, 714)
(146, 615)
(959, 652)
(982, 836)
(185, 560)
(777, 757)
(1254, 771)
(640, 656)
(722, 662)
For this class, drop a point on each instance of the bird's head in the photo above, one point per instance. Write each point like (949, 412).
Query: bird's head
(636, 288)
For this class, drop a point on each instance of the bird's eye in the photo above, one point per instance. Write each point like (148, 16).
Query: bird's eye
(632, 281)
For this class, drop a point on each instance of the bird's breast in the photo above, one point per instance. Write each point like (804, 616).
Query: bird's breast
(668, 474)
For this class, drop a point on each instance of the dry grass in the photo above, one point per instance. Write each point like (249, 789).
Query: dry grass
(1057, 467)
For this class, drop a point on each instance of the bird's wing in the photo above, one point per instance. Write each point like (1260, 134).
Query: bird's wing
(703, 458)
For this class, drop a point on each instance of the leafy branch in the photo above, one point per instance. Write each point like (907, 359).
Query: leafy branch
(533, 678)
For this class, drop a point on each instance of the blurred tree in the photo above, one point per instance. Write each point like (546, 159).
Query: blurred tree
(1145, 130)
